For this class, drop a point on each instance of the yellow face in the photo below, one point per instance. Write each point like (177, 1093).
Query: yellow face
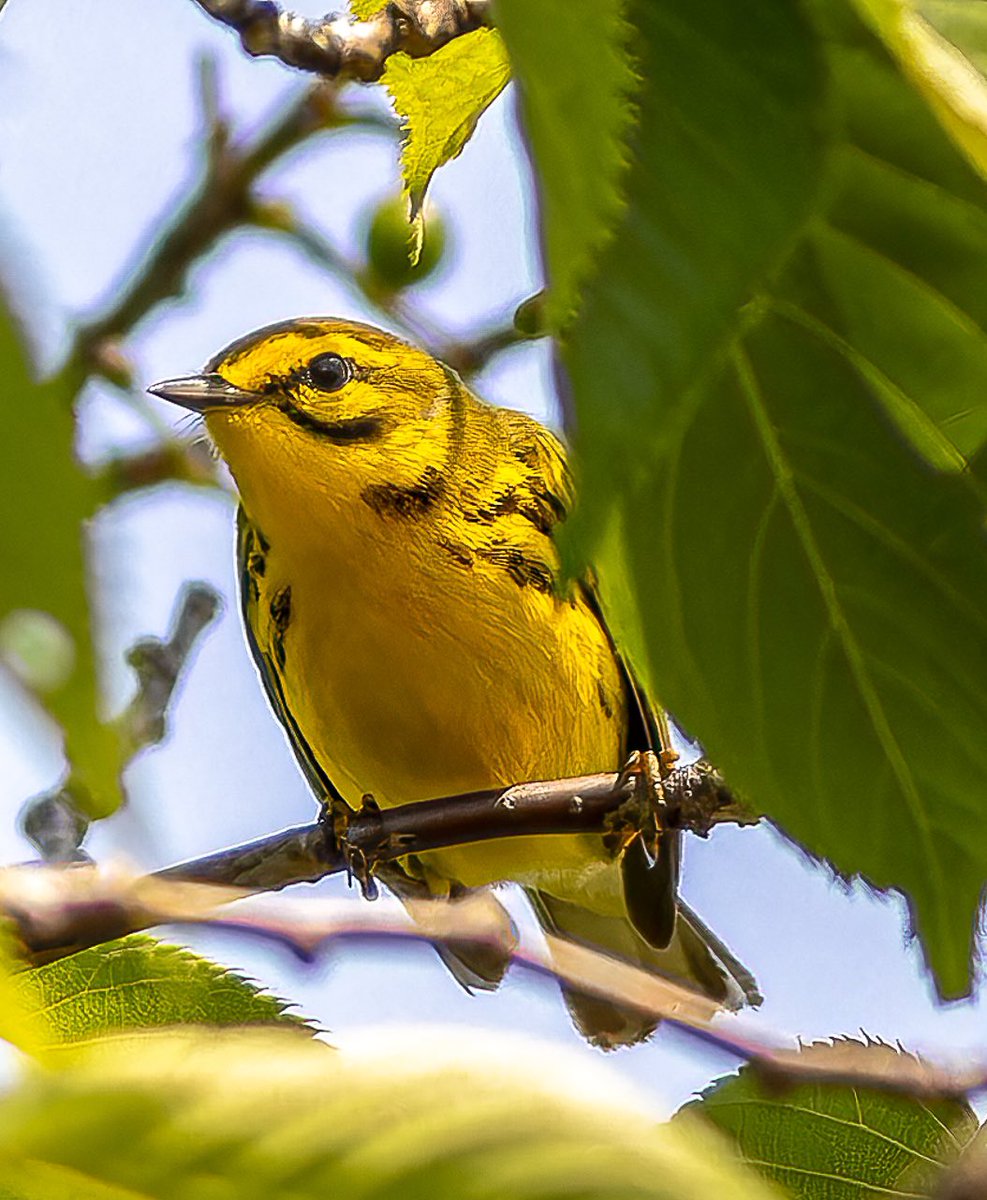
(321, 409)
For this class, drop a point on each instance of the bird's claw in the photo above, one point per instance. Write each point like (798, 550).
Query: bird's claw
(641, 816)
(337, 819)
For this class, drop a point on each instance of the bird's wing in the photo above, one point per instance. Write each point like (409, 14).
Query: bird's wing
(650, 885)
(251, 548)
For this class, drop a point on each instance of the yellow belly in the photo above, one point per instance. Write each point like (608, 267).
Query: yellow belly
(428, 681)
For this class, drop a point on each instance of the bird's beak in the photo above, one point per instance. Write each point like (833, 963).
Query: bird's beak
(202, 393)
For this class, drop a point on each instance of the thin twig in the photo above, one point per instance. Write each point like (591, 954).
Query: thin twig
(159, 665)
(467, 357)
(54, 822)
(221, 200)
(340, 47)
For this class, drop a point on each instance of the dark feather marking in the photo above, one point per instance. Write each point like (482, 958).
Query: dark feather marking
(394, 500)
(650, 888)
(280, 609)
(523, 570)
(320, 783)
(604, 699)
(462, 554)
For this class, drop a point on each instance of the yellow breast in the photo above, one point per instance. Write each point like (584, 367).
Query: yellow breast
(414, 670)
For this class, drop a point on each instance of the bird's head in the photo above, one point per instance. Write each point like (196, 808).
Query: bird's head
(317, 409)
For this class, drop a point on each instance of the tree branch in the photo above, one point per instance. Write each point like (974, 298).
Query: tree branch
(339, 47)
(694, 797)
(221, 200)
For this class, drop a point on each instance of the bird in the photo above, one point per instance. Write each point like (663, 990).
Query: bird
(406, 607)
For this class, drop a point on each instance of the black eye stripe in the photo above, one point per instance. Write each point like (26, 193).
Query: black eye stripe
(329, 372)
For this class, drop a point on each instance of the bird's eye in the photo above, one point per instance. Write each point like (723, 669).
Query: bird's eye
(329, 372)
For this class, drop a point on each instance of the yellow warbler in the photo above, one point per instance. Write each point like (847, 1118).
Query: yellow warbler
(404, 604)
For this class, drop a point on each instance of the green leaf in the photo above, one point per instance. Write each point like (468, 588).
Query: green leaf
(140, 983)
(573, 70)
(256, 1115)
(953, 86)
(832, 1142)
(45, 621)
(440, 99)
(795, 291)
(962, 22)
(362, 10)
(20, 1023)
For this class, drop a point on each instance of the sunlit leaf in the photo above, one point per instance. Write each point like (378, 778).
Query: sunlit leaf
(832, 1142)
(20, 1023)
(140, 983)
(782, 342)
(951, 83)
(440, 99)
(261, 1115)
(574, 74)
(46, 502)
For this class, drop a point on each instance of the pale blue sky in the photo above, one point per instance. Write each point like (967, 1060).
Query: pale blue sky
(96, 131)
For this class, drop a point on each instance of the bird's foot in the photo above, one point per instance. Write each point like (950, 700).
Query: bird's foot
(641, 816)
(336, 817)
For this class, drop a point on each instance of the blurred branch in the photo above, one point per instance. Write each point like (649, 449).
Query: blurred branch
(466, 356)
(220, 201)
(170, 461)
(340, 47)
(53, 822)
(223, 198)
(49, 907)
(158, 665)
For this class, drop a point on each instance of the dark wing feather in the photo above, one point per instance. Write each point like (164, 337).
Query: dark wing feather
(650, 885)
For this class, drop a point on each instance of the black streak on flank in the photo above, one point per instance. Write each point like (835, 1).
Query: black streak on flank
(536, 504)
(280, 619)
(604, 699)
(456, 550)
(281, 609)
(417, 500)
(526, 572)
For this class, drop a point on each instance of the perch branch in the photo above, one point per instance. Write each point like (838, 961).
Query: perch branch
(695, 798)
(340, 47)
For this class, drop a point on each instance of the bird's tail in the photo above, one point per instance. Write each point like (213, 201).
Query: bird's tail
(695, 956)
